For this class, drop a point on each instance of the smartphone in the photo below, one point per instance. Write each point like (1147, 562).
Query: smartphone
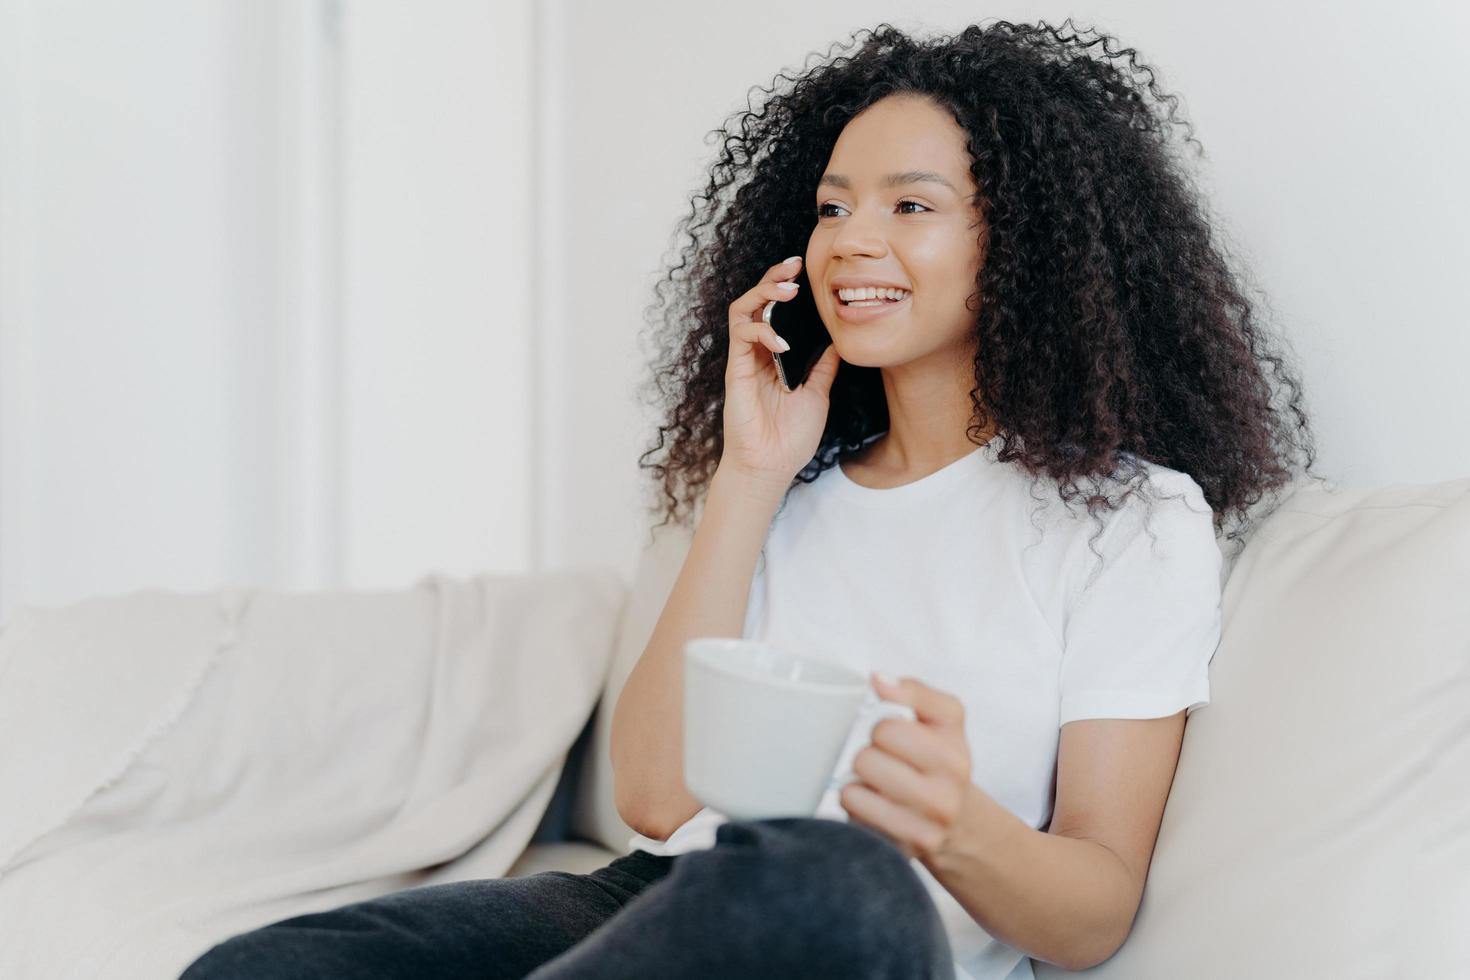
(797, 321)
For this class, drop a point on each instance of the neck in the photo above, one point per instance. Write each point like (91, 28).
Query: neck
(928, 421)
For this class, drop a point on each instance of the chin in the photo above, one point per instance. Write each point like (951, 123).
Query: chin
(864, 353)
(867, 360)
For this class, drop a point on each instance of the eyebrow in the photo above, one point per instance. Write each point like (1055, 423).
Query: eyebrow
(892, 180)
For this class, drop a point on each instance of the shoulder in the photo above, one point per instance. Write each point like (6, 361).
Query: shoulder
(1137, 496)
(1140, 491)
(1159, 523)
(1156, 490)
(1171, 496)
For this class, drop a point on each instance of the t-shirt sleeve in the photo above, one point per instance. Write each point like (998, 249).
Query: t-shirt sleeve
(754, 627)
(1139, 637)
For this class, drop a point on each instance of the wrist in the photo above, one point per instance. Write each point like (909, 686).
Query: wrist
(984, 829)
(754, 487)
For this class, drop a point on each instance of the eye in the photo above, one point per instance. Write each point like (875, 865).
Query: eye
(823, 213)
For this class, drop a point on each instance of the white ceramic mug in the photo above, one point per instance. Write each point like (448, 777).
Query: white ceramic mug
(765, 730)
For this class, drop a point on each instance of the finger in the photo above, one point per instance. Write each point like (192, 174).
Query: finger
(898, 781)
(745, 305)
(756, 332)
(931, 797)
(927, 748)
(783, 270)
(753, 306)
(929, 703)
(900, 825)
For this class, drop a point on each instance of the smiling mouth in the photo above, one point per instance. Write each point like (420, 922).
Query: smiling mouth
(871, 311)
(861, 303)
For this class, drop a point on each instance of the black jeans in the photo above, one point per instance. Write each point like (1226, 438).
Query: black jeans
(790, 897)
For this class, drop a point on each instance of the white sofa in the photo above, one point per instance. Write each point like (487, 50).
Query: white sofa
(1319, 823)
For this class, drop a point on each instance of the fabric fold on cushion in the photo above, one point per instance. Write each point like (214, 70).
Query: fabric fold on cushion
(84, 689)
(332, 746)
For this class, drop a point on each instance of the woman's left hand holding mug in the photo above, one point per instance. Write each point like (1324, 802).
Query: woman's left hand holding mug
(913, 779)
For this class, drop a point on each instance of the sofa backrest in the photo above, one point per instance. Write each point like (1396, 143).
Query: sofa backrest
(594, 815)
(1319, 821)
(1316, 825)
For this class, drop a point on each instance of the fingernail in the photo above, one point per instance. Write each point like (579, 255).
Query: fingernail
(887, 680)
(783, 344)
(787, 285)
(792, 259)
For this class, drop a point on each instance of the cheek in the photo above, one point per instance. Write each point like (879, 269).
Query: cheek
(814, 261)
(944, 263)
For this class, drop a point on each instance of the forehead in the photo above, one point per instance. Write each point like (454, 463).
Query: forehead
(900, 136)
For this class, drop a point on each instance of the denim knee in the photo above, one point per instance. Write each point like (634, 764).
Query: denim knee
(253, 954)
(843, 847)
(848, 888)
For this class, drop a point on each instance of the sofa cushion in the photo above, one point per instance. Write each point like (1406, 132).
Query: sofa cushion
(180, 767)
(1319, 822)
(573, 857)
(595, 817)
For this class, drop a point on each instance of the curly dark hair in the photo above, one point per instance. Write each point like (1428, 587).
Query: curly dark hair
(1111, 325)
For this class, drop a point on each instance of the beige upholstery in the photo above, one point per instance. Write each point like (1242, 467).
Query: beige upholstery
(1319, 824)
(599, 833)
(178, 767)
(578, 857)
(595, 817)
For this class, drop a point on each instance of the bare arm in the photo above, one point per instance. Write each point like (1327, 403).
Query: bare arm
(1069, 896)
(708, 599)
(769, 434)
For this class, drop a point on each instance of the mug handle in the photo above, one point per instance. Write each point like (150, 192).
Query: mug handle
(873, 710)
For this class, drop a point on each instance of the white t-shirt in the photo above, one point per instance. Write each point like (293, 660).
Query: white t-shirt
(950, 580)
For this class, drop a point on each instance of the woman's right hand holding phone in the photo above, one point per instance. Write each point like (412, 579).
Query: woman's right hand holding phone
(770, 433)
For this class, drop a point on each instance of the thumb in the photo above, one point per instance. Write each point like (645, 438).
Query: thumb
(823, 372)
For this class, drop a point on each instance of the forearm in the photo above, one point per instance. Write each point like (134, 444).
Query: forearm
(709, 598)
(1060, 899)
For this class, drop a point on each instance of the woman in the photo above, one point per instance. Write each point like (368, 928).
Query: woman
(1053, 308)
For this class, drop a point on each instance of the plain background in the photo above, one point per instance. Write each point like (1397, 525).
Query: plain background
(334, 293)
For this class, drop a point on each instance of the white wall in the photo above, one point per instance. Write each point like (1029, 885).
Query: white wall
(1336, 144)
(138, 169)
(337, 292)
(264, 294)
(437, 226)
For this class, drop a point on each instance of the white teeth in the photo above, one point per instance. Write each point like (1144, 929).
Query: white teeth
(870, 292)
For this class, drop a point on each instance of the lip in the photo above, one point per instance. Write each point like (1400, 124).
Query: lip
(857, 282)
(863, 314)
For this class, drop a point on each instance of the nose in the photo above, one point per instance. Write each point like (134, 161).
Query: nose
(859, 234)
